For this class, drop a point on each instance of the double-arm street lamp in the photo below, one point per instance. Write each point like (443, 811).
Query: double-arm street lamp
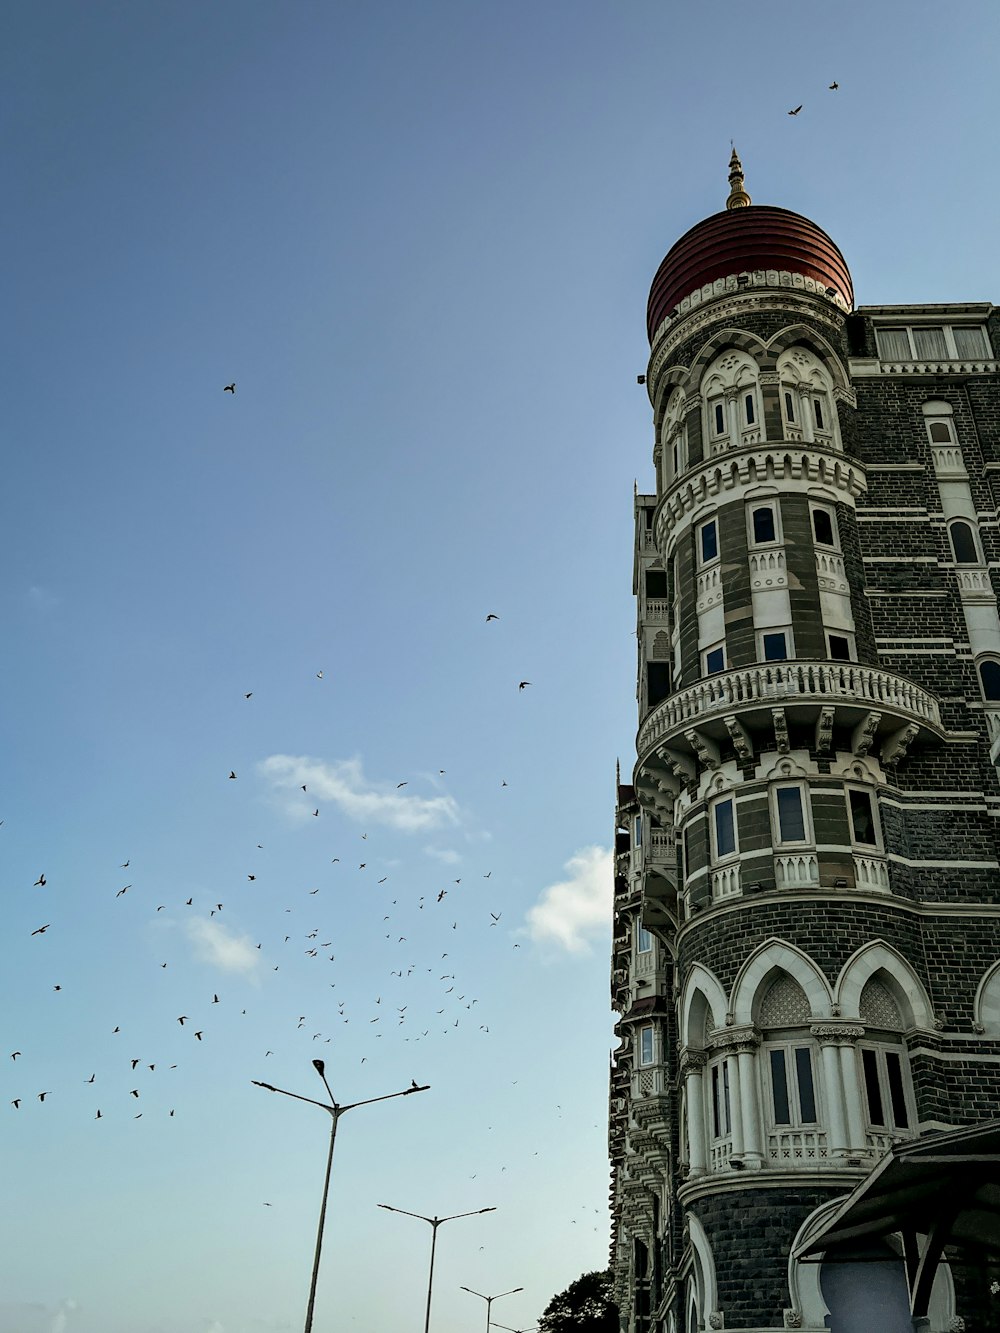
(335, 1110)
(507, 1328)
(434, 1222)
(490, 1299)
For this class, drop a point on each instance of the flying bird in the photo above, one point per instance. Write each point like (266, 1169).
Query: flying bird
(14, 1054)
(248, 696)
(796, 110)
(182, 1019)
(41, 930)
(834, 86)
(124, 890)
(39, 881)
(319, 675)
(230, 388)
(134, 1093)
(524, 684)
(490, 617)
(232, 776)
(16, 1103)
(401, 784)
(198, 1035)
(496, 917)
(43, 1095)
(125, 866)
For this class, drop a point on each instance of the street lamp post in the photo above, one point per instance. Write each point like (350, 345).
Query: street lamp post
(335, 1110)
(490, 1299)
(434, 1222)
(507, 1328)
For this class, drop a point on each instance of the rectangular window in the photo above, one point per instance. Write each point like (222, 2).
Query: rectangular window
(709, 542)
(764, 528)
(873, 1090)
(840, 648)
(779, 1089)
(775, 646)
(646, 1046)
(725, 827)
(818, 413)
(823, 527)
(970, 344)
(804, 1079)
(930, 344)
(715, 660)
(791, 814)
(656, 583)
(897, 1097)
(863, 828)
(894, 344)
(748, 408)
(790, 408)
(637, 831)
(720, 419)
(644, 941)
(657, 682)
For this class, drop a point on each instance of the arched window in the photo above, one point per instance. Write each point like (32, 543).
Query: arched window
(989, 676)
(806, 397)
(940, 432)
(789, 1071)
(963, 543)
(733, 415)
(885, 1077)
(673, 435)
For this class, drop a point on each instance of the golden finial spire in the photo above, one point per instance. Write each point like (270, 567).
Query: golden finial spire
(738, 197)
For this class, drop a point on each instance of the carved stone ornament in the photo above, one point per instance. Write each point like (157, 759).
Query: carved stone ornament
(793, 1318)
(741, 741)
(746, 1038)
(717, 1320)
(780, 729)
(956, 1324)
(824, 730)
(836, 1031)
(693, 1062)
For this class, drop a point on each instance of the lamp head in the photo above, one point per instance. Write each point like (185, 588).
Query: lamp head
(320, 1067)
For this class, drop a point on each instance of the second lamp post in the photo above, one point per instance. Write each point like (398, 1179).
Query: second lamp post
(434, 1222)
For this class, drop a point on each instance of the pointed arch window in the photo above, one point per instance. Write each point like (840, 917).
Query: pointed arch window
(963, 543)
(884, 1067)
(788, 1066)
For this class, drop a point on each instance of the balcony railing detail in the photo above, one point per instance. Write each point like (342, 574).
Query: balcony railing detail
(767, 570)
(709, 591)
(657, 608)
(797, 1145)
(973, 582)
(948, 459)
(786, 682)
(799, 870)
(871, 872)
(830, 572)
(663, 845)
(726, 882)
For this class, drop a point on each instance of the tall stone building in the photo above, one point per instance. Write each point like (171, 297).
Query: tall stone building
(806, 955)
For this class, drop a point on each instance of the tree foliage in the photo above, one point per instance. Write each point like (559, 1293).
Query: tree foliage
(584, 1307)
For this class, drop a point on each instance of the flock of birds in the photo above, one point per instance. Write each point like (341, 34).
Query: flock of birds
(831, 87)
(447, 1004)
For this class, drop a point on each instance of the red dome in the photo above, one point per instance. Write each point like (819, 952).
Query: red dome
(741, 240)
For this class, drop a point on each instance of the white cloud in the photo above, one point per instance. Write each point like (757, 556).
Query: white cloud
(446, 854)
(216, 944)
(577, 910)
(342, 782)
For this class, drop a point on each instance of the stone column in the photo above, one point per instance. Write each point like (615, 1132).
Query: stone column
(848, 1034)
(753, 1148)
(834, 1089)
(732, 395)
(692, 1068)
(735, 1106)
(805, 412)
(770, 419)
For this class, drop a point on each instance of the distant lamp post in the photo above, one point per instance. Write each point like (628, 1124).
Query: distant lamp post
(434, 1222)
(490, 1299)
(335, 1111)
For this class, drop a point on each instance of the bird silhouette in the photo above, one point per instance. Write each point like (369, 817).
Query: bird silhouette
(182, 1019)
(230, 388)
(797, 109)
(198, 1035)
(490, 617)
(232, 776)
(524, 684)
(16, 1103)
(39, 881)
(41, 930)
(834, 86)
(14, 1054)
(43, 1095)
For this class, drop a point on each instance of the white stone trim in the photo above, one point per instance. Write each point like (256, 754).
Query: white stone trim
(753, 280)
(986, 1006)
(701, 981)
(704, 1268)
(873, 957)
(786, 957)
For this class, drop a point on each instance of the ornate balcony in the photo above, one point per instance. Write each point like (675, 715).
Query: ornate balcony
(876, 705)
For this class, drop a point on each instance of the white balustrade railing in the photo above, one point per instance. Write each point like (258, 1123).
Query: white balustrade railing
(974, 581)
(796, 1145)
(787, 682)
(662, 845)
(649, 1083)
(881, 1142)
(657, 608)
(767, 569)
(948, 459)
(719, 1154)
(830, 571)
(871, 872)
(726, 882)
(709, 589)
(796, 870)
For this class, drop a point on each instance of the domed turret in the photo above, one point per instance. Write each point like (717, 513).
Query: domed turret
(746, 238)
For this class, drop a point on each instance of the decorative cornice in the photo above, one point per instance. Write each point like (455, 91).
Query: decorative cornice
(744, 1038)
(824, 1032)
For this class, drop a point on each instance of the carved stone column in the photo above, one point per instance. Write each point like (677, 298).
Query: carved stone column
(746, 1055)
(692, 1069)
(842, 1037)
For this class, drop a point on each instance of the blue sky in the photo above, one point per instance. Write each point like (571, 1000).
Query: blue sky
(420, 240)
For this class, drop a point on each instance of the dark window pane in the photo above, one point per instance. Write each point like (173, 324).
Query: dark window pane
(940, 433)
(894, 1068)
(823, 527)
(989, 674)
(869, 1063)
(656, 583)
(763, 525)
(791, 818)
(748, 404)
(709, 542)
(818, 413)
(779, 1088)
(964, 544)
(789, 407)
(716, 1122)
(804, 1076)
(969, 343)
(840, 648)
(657, 682)
(862, 819)
(775, 649)
(715, 661)
(725, 1096)
(725, 829)
(720, 419)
